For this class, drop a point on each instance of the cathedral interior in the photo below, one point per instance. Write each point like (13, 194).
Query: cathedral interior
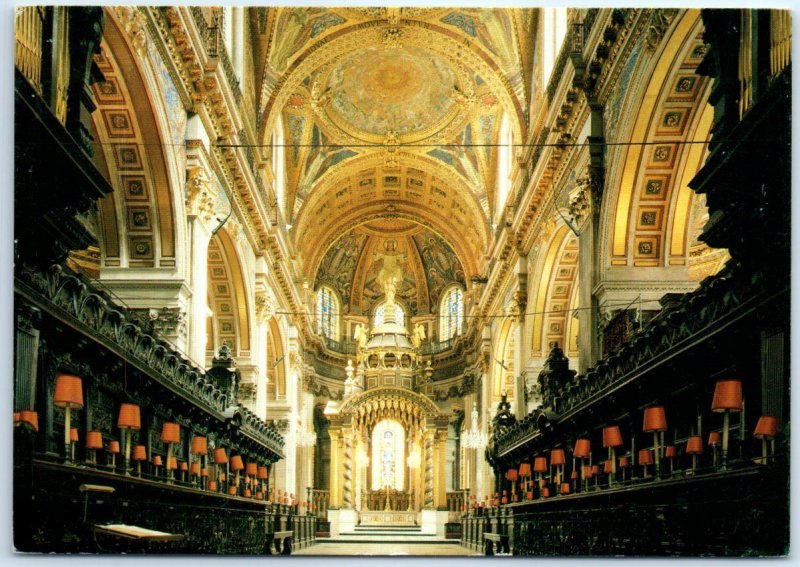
(295, 280)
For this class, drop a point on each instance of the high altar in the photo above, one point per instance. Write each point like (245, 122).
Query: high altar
(388, 440)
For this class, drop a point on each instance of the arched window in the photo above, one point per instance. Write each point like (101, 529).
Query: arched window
(327, 313)
(505, 153)
(380, 315)
(451, 313)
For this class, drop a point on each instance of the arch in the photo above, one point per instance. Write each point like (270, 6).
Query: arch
(560, 297)
(138, 222)
(227, 295)
(276, 363)
(542, 282)
(645, 212)
(503, 364)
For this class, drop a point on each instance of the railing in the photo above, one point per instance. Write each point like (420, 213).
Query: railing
(28, 41)
(342, 347)
(320, 499)
(455, 501)
(437, 347)
(387, 500)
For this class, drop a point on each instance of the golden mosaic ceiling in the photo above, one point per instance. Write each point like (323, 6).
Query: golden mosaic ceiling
(351, 266)
(378, 92)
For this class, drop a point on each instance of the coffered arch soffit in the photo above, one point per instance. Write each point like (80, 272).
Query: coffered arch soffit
(649, 207)
(371, 191)
(138, 221)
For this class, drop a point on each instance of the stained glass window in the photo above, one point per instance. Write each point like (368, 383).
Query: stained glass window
(327, 313)
(451, 313)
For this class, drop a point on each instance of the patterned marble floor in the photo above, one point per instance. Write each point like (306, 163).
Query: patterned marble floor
(396, 549)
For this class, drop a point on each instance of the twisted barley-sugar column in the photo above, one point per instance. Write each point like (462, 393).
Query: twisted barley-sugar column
(347, 496)
(429, 470)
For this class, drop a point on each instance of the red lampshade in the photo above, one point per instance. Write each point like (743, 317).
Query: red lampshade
(655, 419)
(524, 469)
(587, 472)
(727, 396)
(259, 495)
(183, 466)
(247, 493)
(232, 490)
(574, 475)
(212, 485)
(199, 446)
(512, 475)
(252, 468)
(766, 428)
(204, 471)
(73, 435)
(113, 447)
(612, 436)
(139, 453)
(645, 457)
(557, 457)
(694, 445)
(564, 488)
(583, 448)
(170, 432)
(157, 461)
(220, 458)
(595, 470)
(94, 440)
(32, 417)
(608, 466)
(624, 462)
(195, 469)
(236, 463)
(129, 417)
(714, 438)
(670, 452)
(504, 500)
(545, 492)
(172, 463)
(69, 392)
(540, 464)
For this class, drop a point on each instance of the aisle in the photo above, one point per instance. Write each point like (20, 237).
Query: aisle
(376, 548)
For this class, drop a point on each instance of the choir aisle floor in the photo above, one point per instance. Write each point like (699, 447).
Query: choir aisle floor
(378, 548)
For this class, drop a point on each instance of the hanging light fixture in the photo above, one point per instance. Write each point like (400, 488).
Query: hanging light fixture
(474, 438)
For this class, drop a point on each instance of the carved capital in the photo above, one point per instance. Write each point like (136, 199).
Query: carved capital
(200, 196)
(265, 307)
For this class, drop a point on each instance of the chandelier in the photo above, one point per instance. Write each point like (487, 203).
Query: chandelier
(303, 437)
(474, 438)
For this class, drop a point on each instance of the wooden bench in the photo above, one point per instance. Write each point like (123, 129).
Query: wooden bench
(492, 541)
(282, 542)
(133, 539)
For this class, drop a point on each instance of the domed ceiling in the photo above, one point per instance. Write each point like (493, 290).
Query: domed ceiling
(401, 106)
(351, 266)
(377, 90)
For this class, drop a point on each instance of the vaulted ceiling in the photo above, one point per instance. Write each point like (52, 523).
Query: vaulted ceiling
(392, 113)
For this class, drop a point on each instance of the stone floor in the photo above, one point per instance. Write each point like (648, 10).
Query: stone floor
(349, 548)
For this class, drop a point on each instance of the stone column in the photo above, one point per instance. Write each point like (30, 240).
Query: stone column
(347, 477)
(265, 310)
(336, 459)
(440, 462)
(429, 501)
(200, 206)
